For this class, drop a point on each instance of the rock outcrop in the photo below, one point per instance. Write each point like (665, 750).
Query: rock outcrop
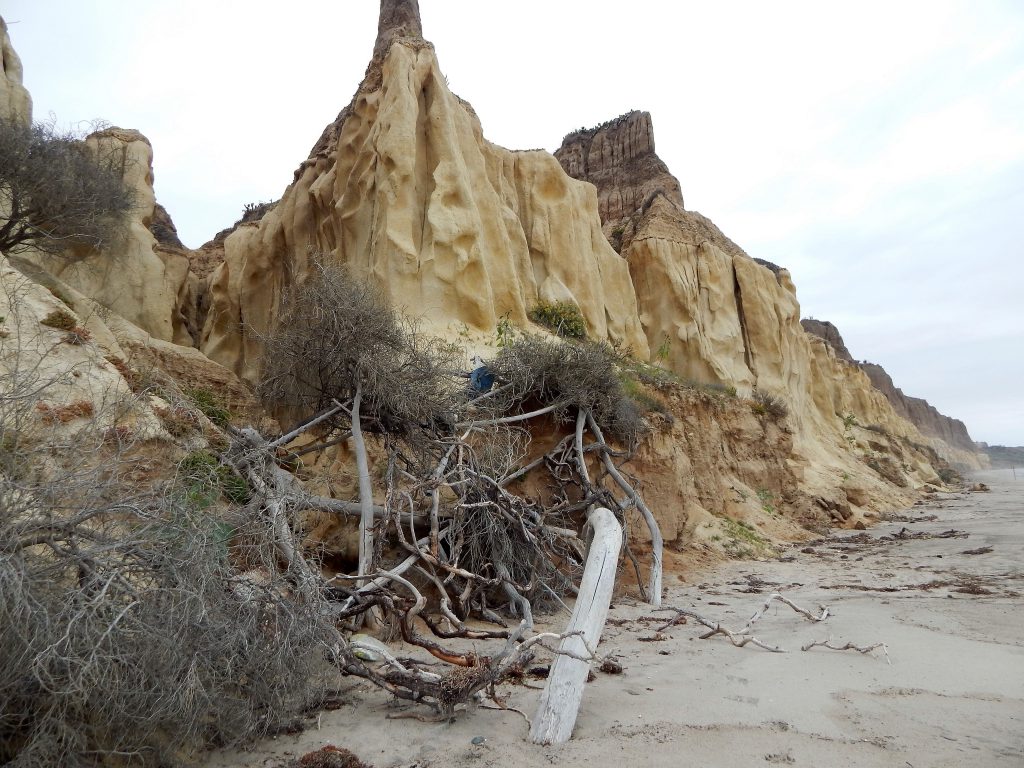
(618, 158)
(140, 278)
(919, 411)
(144, 277)
(827, 331)
(15, 102)
(405, 191)
(916, 410)
(716, 316)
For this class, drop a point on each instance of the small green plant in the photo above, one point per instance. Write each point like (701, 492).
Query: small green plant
(504, 332)
(205, 479)
(744, 540)
(849, 421)
(636, 392)
(60, 320)
(767, 500)
(664, 350)
(563, 318)
(211, 406)
(179, 421)
(713, 388)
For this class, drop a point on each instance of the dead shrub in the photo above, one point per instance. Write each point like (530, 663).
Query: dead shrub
(571, 376)
(60, 193)
(62, 414)
(336, 334)
(127, 636)
(179, 421)
(135, 380)
(78, 335)
(61, 320)
(765, 404)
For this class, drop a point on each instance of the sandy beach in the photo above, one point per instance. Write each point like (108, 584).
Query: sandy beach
(947, 605)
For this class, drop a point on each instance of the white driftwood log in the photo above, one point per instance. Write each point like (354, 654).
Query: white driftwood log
(560, 701)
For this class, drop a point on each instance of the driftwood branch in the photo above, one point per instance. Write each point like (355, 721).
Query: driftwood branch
(743, 636)
(865, 649)
(823, 612)
(560, 701)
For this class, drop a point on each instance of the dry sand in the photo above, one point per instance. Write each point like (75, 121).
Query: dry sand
(952, 696)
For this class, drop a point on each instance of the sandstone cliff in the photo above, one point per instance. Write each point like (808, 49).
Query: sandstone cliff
(919, 411)
(140, 278)
(128, 307)
(15, 102)
(618, 158)
(404, 189)
(916, 410)
(463, 235)
(827, 331)
(715, 315)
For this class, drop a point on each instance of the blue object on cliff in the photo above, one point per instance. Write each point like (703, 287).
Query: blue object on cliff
(481, 379)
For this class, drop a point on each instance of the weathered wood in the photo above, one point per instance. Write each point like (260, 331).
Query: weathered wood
(365, 488)
(657, 542)
(560, 701)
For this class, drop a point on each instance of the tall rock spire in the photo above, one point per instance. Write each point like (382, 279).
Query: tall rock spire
(398, 18)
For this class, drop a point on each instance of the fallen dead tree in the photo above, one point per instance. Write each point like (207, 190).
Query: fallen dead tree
(158, 595)
(450, 540)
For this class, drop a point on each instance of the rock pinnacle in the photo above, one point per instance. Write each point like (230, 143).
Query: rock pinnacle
(398, 18)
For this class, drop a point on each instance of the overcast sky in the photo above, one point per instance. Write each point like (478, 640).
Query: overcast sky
(876, 149)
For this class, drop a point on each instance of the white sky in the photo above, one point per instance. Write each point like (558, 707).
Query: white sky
(876, 149)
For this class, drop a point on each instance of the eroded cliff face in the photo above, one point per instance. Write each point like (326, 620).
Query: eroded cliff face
(404, 189)
(102, 339)
(917, 411)
(716, 316)
(142, 278)
(618, 158)
(920, 412)
(827, 331)
(138, 277)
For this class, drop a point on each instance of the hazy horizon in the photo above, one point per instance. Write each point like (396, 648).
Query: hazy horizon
(875, 150)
